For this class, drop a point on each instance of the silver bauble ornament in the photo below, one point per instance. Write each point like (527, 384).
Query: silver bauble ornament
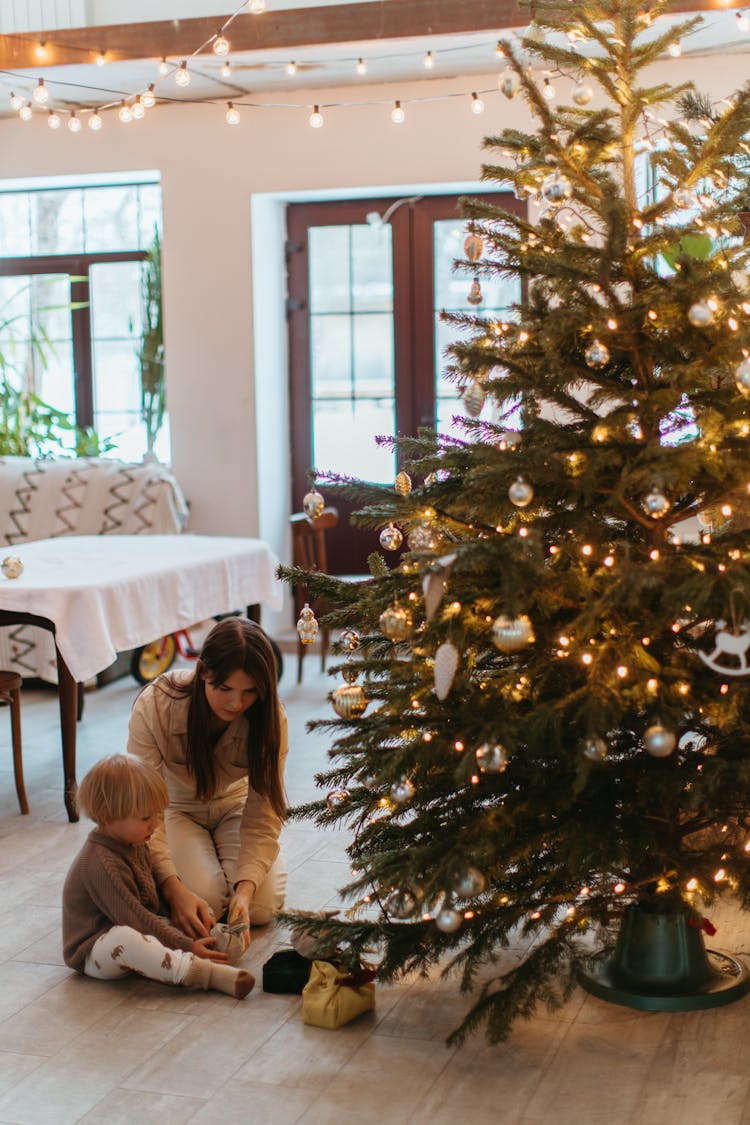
(402, 484)
(401, 903)
(597, 354)
(582, 93)
(402, 791)
(350, 640)
(469, 883)
(742, 376)
(422, 538)
(448, 920)
(349, 701)
(473, 399)
(313, 503)
(655, 504)
(595, 749)
(391, 538)
(395, 623)
(491, 757)
(12, 566)
(509, 83)
(336, 798)
(520, 493)
(556, 188)
(659, 741)
(510, 634)
(307, 625)
(446, 663)
(701, 315)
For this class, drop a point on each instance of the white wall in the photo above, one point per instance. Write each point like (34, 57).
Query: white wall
(223, 192)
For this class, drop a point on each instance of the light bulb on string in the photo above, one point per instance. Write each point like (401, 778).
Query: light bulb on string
(226, 69)
(53, 119)
(361, 67)
(397, 113)
(125, 113)
(220, 45)
(499, 51)
(41, 51)
(548, 90)
(233, 114)
(41, 93)
(182, 74)
(138, 109)
(743, 22)
(429, 61)
(477, 105)
(149, 98)
(256, 6)
(26, 112)
(15, 101)
(95, 121)
(675, 49)
(101, 58)
(316, 118)
(291, 68)
(164, 67)
(74, 123)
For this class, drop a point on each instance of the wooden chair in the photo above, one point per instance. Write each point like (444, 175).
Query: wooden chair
(10, 693)
(309, 553)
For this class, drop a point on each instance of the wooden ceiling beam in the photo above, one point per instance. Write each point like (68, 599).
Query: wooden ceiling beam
(280, 31)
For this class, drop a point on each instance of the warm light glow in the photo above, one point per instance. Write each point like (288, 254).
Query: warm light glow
(361, 66)
(724, 689)
(26, 112)
(53, 120)
(654, 555)
(619, 888)
(291, 67)
(316, 118)
(720, 875)
(691, 885)
(233, 114)
(675, 49)
(220, 45)
(536, 914)
(622, 671)
(41, 93)
(587, 549)
(646, 641)
(475, 779)
(427, 736)
(101, 58)
(652, 685)
(182, 75)
(164, 68)
(149, 98)
(138, 110)
(609, 560)
(477, 105)
(587, 658)
(74, 123)
(564, 641)
(683, 688)
(429, 61)
(256, 6)
(125, 113)
(41, 51)
(397, 113)
(458, 746)
(95, 121)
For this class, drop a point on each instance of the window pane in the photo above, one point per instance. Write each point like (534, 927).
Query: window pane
(56, 221)
(149, 202)
(372, 269)
(116, 378)
(111, 218)
(116, 300)
(50, 299)
(15, 235)
(373, 355)
(344, 438)
(330, 274)
(331, 355)
(54, 377)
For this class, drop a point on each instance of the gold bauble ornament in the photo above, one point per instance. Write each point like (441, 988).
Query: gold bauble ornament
(313, 504)
(510, 634)
(402, 484)
(422, 538)
(402, 791)
(520, 493)
(701, 315)
(391, 538)
(659, 741)
(336, 798)
(597, 354)
(12, 566)
(491, 757)
(349, 701)
(395, 623)
(595, 749)
(655, 504)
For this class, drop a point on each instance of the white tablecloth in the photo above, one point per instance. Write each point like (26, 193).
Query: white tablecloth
(108, 594)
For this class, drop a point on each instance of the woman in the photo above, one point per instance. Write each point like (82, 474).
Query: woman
(218, 737)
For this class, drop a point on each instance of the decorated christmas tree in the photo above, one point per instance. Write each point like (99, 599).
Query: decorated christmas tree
(543, 733)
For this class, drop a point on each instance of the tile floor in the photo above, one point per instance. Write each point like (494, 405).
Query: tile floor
(75, 1050)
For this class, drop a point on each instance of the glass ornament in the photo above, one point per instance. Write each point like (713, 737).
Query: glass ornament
(422, 538)
(597, 354)
(509, 84)
(520, 493)
(469, 883)
(402, 791)
(336, 798)
(349, 701)
(655, 504)
(684, 199)
(582, 93)
(473, 247)
(659, 741)
(511, 634)
(701, 315)
(395, 623)
(401, 903)
(313, 504)
(448, 920)
(350, 640)
(491, 757)
(350, 674)
(534, 33)
(402, 484)
(391, 538)
(595, 749)
(12, 566)
(307, 625)
(556, 188)
(474, 296)
(742, 376)
(473, 399)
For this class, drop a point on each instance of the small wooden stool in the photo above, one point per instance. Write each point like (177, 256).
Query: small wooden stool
(10, 692)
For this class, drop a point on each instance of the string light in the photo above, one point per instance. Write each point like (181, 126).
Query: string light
(397, 113)
(226, 70)
(74, 123)
(220, 45)
(499, 51)
(233, 114)
(125, 113)
(101, 58)
(316, 118)
(25, 112)
(182, 75)
(138, 110)
(743, 23)
(149, 98)
(256, 6)
(675, 49)
(95, 121)
(361, 67)
(477, 105)
(53, 119)
(429, 61)
(291, 68)
(164, 68)
(16, 102)
(548, 90)
(41, 51)
(41, 93)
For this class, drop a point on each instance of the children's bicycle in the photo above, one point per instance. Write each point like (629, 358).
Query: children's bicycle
(149, 661)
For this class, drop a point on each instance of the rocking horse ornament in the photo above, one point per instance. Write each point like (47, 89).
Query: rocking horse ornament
(732, 643)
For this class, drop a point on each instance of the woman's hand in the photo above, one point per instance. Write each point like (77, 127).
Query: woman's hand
(203, 947)
(189, 912)
(239, 907)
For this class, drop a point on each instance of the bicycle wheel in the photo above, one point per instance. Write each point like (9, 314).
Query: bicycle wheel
(151, 660)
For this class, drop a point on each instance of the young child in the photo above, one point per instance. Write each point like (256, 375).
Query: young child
(111, 919)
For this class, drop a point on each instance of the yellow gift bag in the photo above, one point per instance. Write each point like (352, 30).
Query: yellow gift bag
(332, 997)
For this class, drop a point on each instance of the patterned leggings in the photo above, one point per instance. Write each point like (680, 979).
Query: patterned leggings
(124, 950)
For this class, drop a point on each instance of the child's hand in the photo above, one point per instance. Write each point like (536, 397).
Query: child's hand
(204, 947)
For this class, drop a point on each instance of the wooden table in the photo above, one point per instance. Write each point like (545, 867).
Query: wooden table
(103, 594)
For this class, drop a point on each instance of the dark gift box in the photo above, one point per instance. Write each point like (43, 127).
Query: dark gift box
(286, 971)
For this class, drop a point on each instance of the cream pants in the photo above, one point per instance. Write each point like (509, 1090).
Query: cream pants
(124, 950)
(205, 844)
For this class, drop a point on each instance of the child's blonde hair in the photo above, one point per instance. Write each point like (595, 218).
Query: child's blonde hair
(119, 787)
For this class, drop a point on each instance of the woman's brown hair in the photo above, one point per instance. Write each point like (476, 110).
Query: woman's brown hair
(236, 645)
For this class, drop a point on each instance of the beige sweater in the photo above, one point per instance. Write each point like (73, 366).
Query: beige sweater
(158, 735)
(112, 884)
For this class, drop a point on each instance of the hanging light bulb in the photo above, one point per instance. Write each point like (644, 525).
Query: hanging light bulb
(95, 121)
(499, 50)
(743, 22)
(53, 119)
(163, 67)
(15, 101)
(220, 45)
(138, 109)
(477, 105)
(41, 51)
(182, 75)
(429, 61)
(675, 49)
(548, 90)
(397, 113)
(101, 58)
(125, 113)
(316, 118)
(233, 114)
(41, 93)
(226, 70)
(291, 67)
(256, 6)
(26, 112)
(149, 98)
(361, 66)
(74, 123)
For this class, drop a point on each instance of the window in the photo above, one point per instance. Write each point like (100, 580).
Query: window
(71, 304)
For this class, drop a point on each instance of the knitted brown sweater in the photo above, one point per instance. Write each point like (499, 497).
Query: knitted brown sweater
(112, 884)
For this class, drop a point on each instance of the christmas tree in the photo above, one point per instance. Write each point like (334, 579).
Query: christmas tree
(545, 718)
